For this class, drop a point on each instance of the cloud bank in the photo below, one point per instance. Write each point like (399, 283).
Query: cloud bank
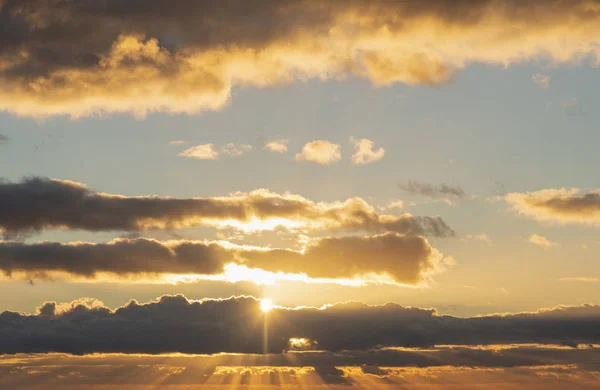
(86, 57)
(176, 324)
(37, 203)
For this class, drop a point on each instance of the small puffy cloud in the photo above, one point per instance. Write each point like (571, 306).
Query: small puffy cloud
(541, 80)
(320, 152)
(177, 142)
(201, 152)
(279, 146)
(395, 204)
(364, 152)
(541, 241)
(234, 150)
(443, 190)
(558, 205)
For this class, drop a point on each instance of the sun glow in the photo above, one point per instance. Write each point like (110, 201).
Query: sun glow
(266, 305)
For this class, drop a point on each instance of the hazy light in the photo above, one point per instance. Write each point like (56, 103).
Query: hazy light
(266, 305)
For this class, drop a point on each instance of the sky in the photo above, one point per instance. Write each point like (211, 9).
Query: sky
(411, 174)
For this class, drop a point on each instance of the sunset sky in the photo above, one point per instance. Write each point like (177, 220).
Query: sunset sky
(382, 178)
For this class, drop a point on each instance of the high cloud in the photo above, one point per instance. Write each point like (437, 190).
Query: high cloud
(407, 259)
(320, 152)
(364, 152)
(176, 324)
(432, 191)
(180, 56)
(558, 205)
(39, 203)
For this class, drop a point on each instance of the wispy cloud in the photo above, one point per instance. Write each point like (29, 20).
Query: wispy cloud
(541, 241)
(279, 146)
(442, 190)
(201, 152)
(541, 80)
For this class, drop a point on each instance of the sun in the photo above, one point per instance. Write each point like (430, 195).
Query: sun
(266, 305)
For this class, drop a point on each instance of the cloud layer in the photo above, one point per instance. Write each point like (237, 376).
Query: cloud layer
(39, 203)
(175, 324)
(85, 57)
(407, 259)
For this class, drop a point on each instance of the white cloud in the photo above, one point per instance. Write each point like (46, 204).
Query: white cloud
(541, 241)
(279, 146)
(201, 152)
(365, 154)
(320, 152)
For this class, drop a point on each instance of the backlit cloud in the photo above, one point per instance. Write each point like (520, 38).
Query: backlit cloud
(407, 259)
(38, 203)
(320, 152)
(364, 152)
(558, 205)
(176, 324)
(86, 57)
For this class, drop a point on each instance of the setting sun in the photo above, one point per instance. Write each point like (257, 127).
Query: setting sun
(266, 305)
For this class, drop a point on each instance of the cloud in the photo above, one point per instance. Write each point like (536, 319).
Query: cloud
(279, 146)
(201, 152)
(177, 142)
(176, 324)
(519, 367)
(395, 204)
(83, 58)
(3, 139)
(235, 150)
(558, 205)
(364, 151)
(415, 187)
(541, 80)
(541, 241)
(482, 237)
(320, 152)
(38, 203)
(572, 107)
(407, 259)
(580, 279)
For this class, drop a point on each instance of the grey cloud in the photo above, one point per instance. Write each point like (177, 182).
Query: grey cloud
(78, 57)
(3, 138)
(174, 324)
(405, 258)
(38, 203)
(432, 191)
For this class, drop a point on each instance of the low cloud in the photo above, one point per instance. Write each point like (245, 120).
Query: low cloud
(38, 203)
(364, 152)
(176, 324)
(86, 58)
(542, 241)
(320, 152)
(558, 205)
(407, 259)
(443, 190)
(279, 146)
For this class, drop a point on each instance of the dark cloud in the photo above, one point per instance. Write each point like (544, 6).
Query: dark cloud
(521, 367)
(415, 187)
(404, 258)
(89, 56)
(37, 203)
(558, 205)
(174, 324)
(3, 139)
